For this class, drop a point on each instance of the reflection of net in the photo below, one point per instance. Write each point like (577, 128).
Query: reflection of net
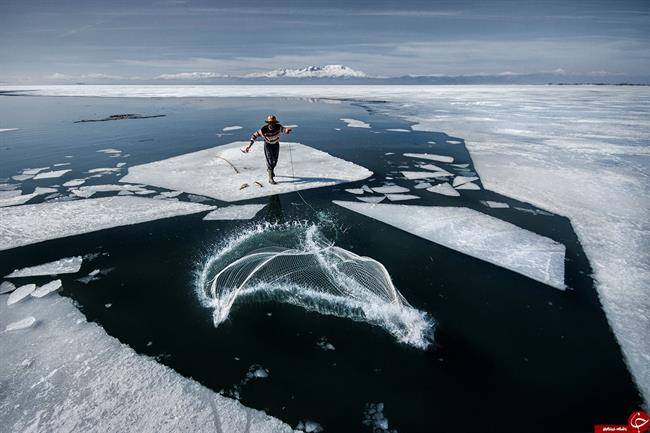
(322, 278)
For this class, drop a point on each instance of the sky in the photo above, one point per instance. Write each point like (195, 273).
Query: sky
(121, 41)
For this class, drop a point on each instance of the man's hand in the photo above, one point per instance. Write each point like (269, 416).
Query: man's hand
(287, 130)
(247, 148)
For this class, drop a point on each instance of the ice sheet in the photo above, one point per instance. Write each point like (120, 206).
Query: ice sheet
(24, 225)
(219, 172)
(235, 212)
(430, 156)
(69, 265)
(444, 189)
(477, 235)
(67, 374)
(352, 123)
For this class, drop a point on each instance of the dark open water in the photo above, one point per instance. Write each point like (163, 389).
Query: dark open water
(510, 354)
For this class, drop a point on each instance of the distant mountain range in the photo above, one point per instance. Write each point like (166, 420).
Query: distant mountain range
(340, 74)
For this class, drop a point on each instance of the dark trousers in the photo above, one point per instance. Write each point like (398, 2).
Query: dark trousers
(271, 152)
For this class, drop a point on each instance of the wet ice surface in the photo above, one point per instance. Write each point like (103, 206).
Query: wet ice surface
(18, 225)
(477, 235)
(69, 265)
(221, 172)
(67, 374)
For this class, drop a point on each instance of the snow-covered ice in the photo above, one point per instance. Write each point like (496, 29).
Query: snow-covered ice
(234, 212)
(28, 224)
(34, 171)
(68, 265)
(51, 174)
(219, 172)
(353, 123)
(47, 288)
(25, 323)
(390, 189)
(20, 293)
(430, 156)
(444, 189)
(67, 374)
(231, 128)
(10, 194)
(477, 235)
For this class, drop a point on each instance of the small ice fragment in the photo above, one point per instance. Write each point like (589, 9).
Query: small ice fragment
(6, 287)
(460, 165)
(389, 153)
(398, 130)
(415, 175)
(46, 289)
(401, 197)
(373, 199)
(235, 212)
(433, 167)
(21, 293)
(495, 204)
(103, 170)
(90, 277)
(469, 185)
(422, 185)
(454, 142)
(308, 426)
(61, 164)
(120, 164)
(430, 156)
(357, 191)
(459, 180)
(25, 323)
(233, 128)
(145, 192)
(8, 129)
(125, 193)
(33, 171)
(352, 123)
(109, 305)
(170, 194)
(109, 151)
(68, 265)
(51, 174)
(444, 189)
(21, 177)
(366, 188)
(390, 189)
(83, 193)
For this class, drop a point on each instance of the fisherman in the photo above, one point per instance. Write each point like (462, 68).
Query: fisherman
(271, 134)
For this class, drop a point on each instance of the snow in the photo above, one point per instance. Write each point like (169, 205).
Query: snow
(477, 235)
(585, 147)
(46, 289)
(29, 224)
(6, 287)
(209, 172)
(25, 323)
(459, 180)
(401, 197)
(390, 189)
(469, 186)
(495, 204)
(235, 212)
(430, 156)
(444, 189)
(352, 123)
(69, 265)
(68, 375)
(20, 293)
(51, 174)
(231, 128)
(327, 71)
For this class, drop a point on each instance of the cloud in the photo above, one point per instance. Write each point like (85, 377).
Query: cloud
(192, 76)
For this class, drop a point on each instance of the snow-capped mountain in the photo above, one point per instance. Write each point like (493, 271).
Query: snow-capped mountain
(327, 71)
(190, 76)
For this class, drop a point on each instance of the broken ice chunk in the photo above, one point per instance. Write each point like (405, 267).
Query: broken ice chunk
(25, 323)
(495, 204)
(233, 128)
(21, 177)
(460, 165)
(51, 174)
(415, 175)
(459, 180)
(401, 197)
(352, 123)
(236, 212)
(430, 156)
(373, 199)
(103, 170)
(398, 130)
(444, 189)
(469, 185)
(21, 293)
(69, 265)
(433, 167)
(34, 171)
(46, 289)
(390, 189)
(309, 426)
(422, 185)
(6, 287)
(357, 191)
(10, 194)
(75, 182)
(109, 151)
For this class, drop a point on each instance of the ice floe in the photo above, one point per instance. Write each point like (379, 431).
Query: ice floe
(398, 130)
(430, 156)
(22, 199)
(373, 417)
(22, 177)
(7, 287)
(220, 172)
(352, 123)
(28, 224)
(104, 170)
(390, 189)
(372, 199)
(459, 180)
(309, 426)
(20, 293)
(444, 189)
(110, 151)
(10, 194)
(235, 212)
(69, 265)
(34, 171)
(401, 197)
(92, 276)
(477, 235)
(469, 186)
(47, 288)
(74, 182)
(422, 185)
(433, 167)
(231, 128)
(25, 323)
(495, 204)
(415, 175)
(357, 191)
(68, 374)
(51, 174)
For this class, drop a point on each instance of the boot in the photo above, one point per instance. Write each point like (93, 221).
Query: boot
(271, 180)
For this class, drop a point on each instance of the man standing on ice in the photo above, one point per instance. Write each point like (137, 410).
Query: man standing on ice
(271, 134)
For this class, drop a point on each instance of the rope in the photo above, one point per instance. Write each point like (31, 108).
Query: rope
(293, 174)
(230, 163)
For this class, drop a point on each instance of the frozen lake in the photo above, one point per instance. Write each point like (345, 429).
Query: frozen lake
(509, 328)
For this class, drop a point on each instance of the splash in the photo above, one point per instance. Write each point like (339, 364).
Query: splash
(295, 264)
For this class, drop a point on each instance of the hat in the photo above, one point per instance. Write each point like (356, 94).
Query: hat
(271, 119)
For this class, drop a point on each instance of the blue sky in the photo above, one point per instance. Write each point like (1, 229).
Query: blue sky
(47, 41)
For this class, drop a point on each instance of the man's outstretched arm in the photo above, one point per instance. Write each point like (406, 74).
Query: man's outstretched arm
(254, 137)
